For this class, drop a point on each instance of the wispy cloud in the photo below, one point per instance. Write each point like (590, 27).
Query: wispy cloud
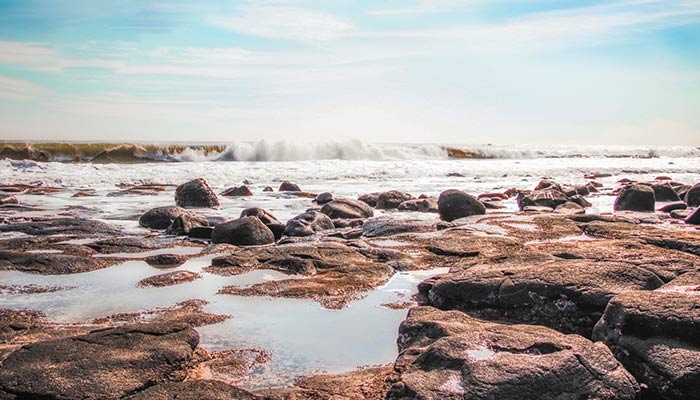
(18, 89)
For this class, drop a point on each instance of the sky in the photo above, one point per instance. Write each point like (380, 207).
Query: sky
(440, 71)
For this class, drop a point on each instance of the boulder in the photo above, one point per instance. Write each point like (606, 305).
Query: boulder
(323, 198)
(104, 364)
(693, 218)
(548, 197)
(196, 193)
(308, 223)
(454, 204)
(388, 226)
(194, 390)
(569, 208)
(267, 218)
(548, 184)
(420, 205)
(166, 260)
(391, 199)
(203, 232)
(288, 186)
(51, 263)
(692, 196)
(245, 231)
(237, 191)
(451, 356)
(656, 336)
(169, 279)
(664, 192)
(183, 224)
(635, 198)
(370, 199)
(347, 209)
(676, 205)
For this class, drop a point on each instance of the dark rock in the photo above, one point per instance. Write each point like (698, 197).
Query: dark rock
(347, 209)
(548, 184)
(391, 199)
(166, 260)
(268, 189)
(581, 190)
(663, 192)
(680, 214)
(267, 218)
(655, 336)
(448, 355)
(348, 223)
(420, 205)
(370, 199)
(193, 390)
(124, 245)
(104, 364)
(548, 197)
(677, 205)
(50, 263)
(161, 217)
(203, 232)
(324, 198)
(169, 278)
(454, 204)
(61, 226)
(183, 224)
(693, 218)
(681, 240)
(246, 231)
(692, 196)
(196, 193)
(580, 200)
(288, 186)
(389, 226)
(237, 191)
(569, 208)
(308, 223)
(635, 198)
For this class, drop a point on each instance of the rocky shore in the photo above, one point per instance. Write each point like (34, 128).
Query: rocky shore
(550, 302)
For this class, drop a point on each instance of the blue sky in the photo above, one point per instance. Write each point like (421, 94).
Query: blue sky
(447, 71)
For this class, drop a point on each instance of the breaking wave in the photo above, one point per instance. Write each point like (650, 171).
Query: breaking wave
(294, 151)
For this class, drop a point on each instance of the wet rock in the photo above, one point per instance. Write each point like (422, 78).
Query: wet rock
(61, 226)
(387, 226)
(370, 199)
(363, 384)
(169, 279)
(566, 295)
(635, 198)
(680, 214)
(677, 205)
(245, 231)
(183, 224)
(684, 240)
(347, 209)
(51, 263)
(692, 196)
(126, 245)
(194, 390)
(237, 191)
(548, 197)
(419, 205)
(448, 355)
(288, 186)
(656, 337)
(664, 192)
(580, 200)
(308, 223)
(268, 189)
(391, 199)
(323, 198)
(131, 358)
(188, 312)
(693, 218)
(161, 217)
(267, 218)
(15, 323)
(203, 232)
(196, 193)
(454, 204)
(166, 260)
(348, 223)
(548, 184)
(569, 208)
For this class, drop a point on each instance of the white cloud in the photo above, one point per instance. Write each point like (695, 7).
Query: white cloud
(18, 89)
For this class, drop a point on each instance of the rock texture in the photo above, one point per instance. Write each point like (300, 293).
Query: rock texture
(347, 209)
(246, 231)
(308, 223)
(161, 217)
(196, 193)
(635, 198)
(455, 204)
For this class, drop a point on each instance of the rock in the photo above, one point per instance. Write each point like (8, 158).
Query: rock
(51, 263)
(635, 198)
(169, 278)
(677, 205)
(680, 214)
(681, 240)
(391, 199)
(104, 364)
(308, 223)
(420, 205)
(548, 184)
(128, 244)
(370, 199)
(569, 208)
(62, 226)
(537, 209)
(454, 204)
(267, 218)
(183, 224)
(448, 355)
(245, 231)
(288, 186)
(692, 196)
(580, 190)
(323, 198)
(693, 218)
(566, 295)
(663, 192)
(8, 200)
(548, 197)
(580, 200)
(196, 193)
(656, 337)
(193, 390)
(166, 260)
(237, 191)
(388, 226)
(203, 232)
(368, 383)
(347, 209)
(268, 189)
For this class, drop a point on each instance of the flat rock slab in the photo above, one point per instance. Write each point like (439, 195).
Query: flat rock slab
(51, 263)
(104, 364)
(62, 226)
(194, 390)
(170, 279)
(567, 295)
(363, 384)
(449, 355)
(676, 238)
